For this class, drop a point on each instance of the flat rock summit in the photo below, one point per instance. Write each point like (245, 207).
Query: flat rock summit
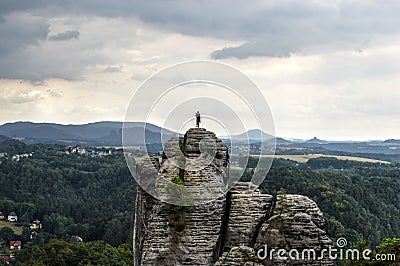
(234, 229)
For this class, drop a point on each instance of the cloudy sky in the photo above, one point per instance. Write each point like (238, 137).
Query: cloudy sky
(329, 69)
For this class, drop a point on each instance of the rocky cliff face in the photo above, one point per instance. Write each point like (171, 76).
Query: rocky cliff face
(227, 231)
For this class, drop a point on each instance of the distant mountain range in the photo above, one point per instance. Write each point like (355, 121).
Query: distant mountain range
(392, 141)
(96, 134)
(110, 134)
(253, 136)
(3, 138)
(103, 133)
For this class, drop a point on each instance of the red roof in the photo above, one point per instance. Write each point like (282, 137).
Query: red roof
(4, 257)
(15, 243)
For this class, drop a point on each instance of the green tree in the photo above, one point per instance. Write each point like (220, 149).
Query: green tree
(26, 234)
(7, 234)
(390, 246)
(60, 253)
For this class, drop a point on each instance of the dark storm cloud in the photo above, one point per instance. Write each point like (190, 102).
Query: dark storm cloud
(234, 19)
(316, 28)
(255, 48)
(113, 69)
(23, 54)
(10, 6)
(18, 31)
(65, 36)
(266, 28)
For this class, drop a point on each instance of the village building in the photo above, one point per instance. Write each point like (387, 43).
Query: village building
(79, 150)
(4, 257)
(12, 217)
(35, 225)
(15, 245)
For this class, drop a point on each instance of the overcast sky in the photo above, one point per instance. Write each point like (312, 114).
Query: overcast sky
(329, 69)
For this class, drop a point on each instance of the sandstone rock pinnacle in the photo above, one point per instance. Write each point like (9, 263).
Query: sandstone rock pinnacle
(226, 231)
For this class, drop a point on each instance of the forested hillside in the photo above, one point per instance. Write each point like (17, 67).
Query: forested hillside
(92, 195)
(72, 194)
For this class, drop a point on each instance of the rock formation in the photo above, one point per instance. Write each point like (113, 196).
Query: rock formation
(227, 231)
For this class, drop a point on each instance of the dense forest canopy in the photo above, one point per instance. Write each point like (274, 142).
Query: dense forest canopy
(72, 194)
(92, 197)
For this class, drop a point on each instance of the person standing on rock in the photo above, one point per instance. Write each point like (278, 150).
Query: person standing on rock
(198, 119)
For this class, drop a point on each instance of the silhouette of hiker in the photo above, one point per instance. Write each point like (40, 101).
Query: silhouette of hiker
(198, 119)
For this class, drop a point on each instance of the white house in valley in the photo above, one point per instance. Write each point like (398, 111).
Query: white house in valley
(12, 217)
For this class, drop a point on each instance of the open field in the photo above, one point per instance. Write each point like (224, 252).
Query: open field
(234, 167)
(17, 229)
(305, 158)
